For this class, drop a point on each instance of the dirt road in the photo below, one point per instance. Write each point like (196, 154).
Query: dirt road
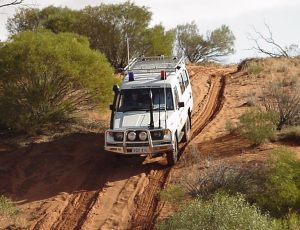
(72, 183)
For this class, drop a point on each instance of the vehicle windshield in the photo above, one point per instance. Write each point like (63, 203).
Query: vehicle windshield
(138, 99)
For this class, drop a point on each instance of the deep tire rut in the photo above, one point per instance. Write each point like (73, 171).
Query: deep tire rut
(147, 204)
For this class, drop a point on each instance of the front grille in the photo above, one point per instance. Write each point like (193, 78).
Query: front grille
(137, 144)
(115, 144)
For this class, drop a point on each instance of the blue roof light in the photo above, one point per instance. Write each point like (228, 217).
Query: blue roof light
(130, 76)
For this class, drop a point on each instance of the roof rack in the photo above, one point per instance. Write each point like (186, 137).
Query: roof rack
(154, 64)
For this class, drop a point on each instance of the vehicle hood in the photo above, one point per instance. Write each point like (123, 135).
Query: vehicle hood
(139, 119)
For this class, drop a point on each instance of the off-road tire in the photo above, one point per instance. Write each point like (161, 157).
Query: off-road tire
(187, 130)
(173, 155)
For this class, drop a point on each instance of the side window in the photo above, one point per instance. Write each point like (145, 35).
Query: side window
(176, 97)
(181, 83)
(185, 78)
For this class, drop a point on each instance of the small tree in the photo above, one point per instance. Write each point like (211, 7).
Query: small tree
(110, 26)
(46, 77)
(158, 41)
(198, 48)
(56, 19)
(283, 97)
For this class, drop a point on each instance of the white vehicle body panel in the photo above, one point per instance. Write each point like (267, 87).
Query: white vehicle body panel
(168, 124)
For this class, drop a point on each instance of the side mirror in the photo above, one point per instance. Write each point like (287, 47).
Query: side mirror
(111, 107)
(180, 104)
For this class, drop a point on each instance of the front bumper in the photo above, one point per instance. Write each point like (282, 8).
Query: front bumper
(138, 147)
(139, 150)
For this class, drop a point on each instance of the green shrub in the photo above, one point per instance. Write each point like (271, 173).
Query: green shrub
(258, 126)
(7, 207)
(280, 193)
(47, 77)
(254, 68)
(220, 212)
(290, 222)
(172, 193)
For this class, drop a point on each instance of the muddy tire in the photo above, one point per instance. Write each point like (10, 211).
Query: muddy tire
(187, 130)
(172, 156)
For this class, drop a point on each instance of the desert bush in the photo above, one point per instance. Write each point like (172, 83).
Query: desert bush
(225, 177)
(274, 187)
(254, 68)
(47, 77)
(220, 212)
(280, 192)
(283, 97)
(289, 222)
(258, 126)
(291, 133)
(7, 207)
(172, 193)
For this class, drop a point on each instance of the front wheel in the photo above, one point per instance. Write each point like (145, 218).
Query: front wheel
(172, 156)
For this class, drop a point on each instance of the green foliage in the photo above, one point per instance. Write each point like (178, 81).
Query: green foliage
(7, 207)
(56, 19)
(258, 126)
(254, 68)
(108, 26)
(289, 222)
(220, 212)
(158, 41)
(280, 192)
(172, 193)
(45, 78)
(199, 48)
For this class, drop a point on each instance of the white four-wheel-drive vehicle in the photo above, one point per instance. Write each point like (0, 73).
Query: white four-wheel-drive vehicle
(151, 112)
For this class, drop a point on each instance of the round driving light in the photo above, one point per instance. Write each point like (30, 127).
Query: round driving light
(143, 136)
(119, 136)
(131, 136)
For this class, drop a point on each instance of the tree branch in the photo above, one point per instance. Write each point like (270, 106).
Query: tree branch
(11, 3)
(281, 52)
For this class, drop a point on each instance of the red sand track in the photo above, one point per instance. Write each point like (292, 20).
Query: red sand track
(72, 183)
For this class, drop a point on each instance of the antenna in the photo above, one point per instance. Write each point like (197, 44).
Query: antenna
(159, 124)
(127, 42)
(165, 94)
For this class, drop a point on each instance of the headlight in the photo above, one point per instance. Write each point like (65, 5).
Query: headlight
(131, 136)
(109, 137)
(167, 135)
(119, 136)
(143, 136)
